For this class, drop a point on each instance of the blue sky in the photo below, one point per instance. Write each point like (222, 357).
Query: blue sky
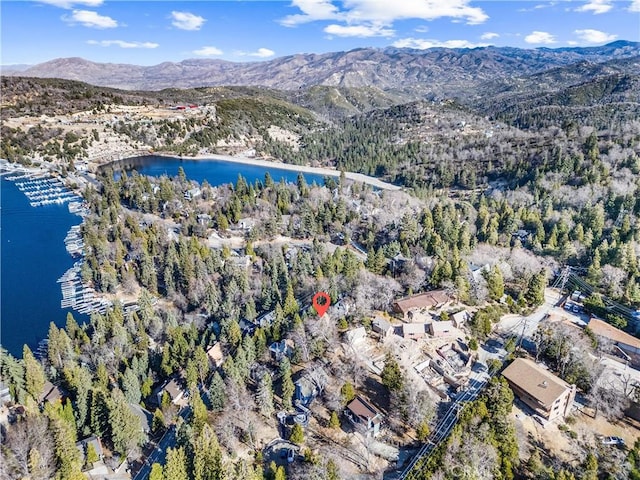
(150, 32)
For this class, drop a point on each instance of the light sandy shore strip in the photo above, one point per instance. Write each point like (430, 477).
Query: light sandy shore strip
(358, 177)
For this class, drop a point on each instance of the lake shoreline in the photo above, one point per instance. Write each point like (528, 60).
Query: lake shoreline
(256, 162)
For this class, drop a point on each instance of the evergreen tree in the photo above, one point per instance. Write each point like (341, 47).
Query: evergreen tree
(334, 421)
(495, 283)
(297, 434)
(176, 466)
(33, 374)
(217, 395)
(156, 472)
(391, 375)
(131, 386)
(264, 396)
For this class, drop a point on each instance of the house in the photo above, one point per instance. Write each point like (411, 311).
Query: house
(309, 385)
(216, 358)
(83, 446)
(355, 336)
(192, 193)
(51, 393)
(625, 345)
(409, 306)
(364, 416)
(173, 389)
(478, 271)
(245, 224)
(548, 395)
(281, 349)
(382, 326)
(144, 415)
(460, 319)
(414, 331)
(442, 329)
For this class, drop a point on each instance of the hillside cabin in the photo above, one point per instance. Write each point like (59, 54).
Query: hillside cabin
(364, 416)
(382, 326)
(624, 345)
(410, 307)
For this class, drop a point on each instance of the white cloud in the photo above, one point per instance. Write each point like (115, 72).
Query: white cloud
(70, 3)
(187, 21)
(423, 44)
(573, 43)
(261, 53)
(383, 12)
(635, 6)
(208, 51)
(594, 36)
(123, 44)
(489, 36)
(540, 6)
(362, 31)
(421, 29)
(540, 37)
(596, 6)
(90, 19)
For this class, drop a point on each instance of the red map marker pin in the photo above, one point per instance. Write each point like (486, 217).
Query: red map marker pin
(321, 302)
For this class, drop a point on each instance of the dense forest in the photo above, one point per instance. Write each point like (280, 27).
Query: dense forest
(526, 191)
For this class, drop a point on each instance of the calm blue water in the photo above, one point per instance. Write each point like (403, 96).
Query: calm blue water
(216, 172)
(33, 255)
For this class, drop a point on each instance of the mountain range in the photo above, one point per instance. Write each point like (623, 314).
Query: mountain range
(433, 73)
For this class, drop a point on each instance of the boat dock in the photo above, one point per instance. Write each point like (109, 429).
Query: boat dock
(78, 296)
(41, 188)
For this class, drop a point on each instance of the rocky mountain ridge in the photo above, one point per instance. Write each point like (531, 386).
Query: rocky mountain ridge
(432, 73)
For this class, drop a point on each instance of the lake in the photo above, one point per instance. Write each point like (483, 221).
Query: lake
(33, 255)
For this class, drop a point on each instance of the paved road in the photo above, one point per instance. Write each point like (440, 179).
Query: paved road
(526, 326)
(159, 453)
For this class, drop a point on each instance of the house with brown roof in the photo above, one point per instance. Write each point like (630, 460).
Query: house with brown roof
(410, 307)
(364, 416)
(51, 393)
(172, 388)
(627, 345)
(548, 395)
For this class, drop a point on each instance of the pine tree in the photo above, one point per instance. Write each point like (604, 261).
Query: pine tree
(33, 374)
(217, 395)
(176, 465)
(347, 392)
(156, 472)
(264, 396)
(334, 421)
(158, 422)
(495, 283)
(125, 426)
(391, 374)
(131, 386)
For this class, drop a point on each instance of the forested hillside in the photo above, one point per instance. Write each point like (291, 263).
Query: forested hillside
(211, 285)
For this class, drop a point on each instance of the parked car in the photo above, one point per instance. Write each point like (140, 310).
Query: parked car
(612, 441)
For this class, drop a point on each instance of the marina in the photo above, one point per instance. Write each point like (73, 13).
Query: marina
(42, 189)
(78, 296)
